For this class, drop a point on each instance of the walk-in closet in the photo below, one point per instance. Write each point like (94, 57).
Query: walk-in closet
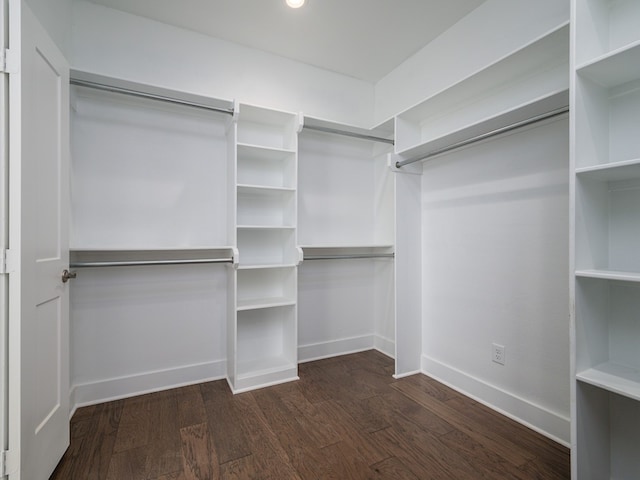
(229, 209)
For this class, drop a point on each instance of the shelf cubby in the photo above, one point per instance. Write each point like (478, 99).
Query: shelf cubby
(267, 128)
(607, 222)
(604, 26)
(266, 346)
(267, 246)
(609, 429)
(267, 207)
(607, 122)
(267, 167)
(607, 328)
(266, 288)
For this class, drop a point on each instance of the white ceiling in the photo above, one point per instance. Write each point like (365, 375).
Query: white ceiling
(365, 39)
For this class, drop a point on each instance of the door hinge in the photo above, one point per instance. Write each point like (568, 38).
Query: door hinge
(9, 61)
(6, 467)
(6, 262)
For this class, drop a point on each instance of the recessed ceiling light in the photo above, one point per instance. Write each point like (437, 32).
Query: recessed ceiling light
(295, 3)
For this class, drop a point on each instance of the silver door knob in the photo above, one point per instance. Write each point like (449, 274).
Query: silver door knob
(67, 275)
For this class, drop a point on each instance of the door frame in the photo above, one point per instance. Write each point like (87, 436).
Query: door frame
(4, 237)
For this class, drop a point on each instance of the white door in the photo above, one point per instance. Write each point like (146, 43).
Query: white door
(38, 240)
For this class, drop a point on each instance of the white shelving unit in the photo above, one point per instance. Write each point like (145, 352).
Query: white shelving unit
(606, 258)
(262, 328)
(528, 82)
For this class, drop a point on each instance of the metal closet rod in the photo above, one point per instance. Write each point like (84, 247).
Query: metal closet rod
(135, 263)
(356, 255)
(228, 111)
(152, 96)
(345, 133)
(492, 133)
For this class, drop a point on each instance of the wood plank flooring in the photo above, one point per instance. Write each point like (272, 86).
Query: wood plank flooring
(346, 418)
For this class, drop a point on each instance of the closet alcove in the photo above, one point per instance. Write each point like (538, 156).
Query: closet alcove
(313, 242)
(215, 240)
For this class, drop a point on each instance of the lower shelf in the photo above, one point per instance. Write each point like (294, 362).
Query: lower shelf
(265, 372)
(608, 434)
(265, 347)
(614, 378)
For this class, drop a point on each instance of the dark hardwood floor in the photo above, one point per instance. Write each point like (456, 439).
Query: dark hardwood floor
(346, 418)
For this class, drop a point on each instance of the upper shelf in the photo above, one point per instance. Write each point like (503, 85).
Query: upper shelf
(152, 92)
(614, 275)
(532, 78)
(614, 68)
(604, 26)
(267, 128)
(612, 172)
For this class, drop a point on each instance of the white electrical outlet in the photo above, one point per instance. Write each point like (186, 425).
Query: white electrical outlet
(498, 353)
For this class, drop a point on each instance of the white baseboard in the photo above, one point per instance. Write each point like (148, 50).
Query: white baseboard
(345, 346)
(385, 345)
(536, 417)
(333, 348)
(148, 382)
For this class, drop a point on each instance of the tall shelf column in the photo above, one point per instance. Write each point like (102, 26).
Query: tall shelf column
(605, 156)
(262, 329)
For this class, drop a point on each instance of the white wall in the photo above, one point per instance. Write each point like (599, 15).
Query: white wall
(146, 175)
(491, 31)
(139, 329)
(344, 198)
(109, 42)
(495, 269)
(55, 17)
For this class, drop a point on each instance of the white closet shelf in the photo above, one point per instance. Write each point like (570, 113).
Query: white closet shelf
(611, 172)
(265, 227)
(609, 275)
(255, 266)
(260, 303)
(86, 253)
(274, 153)
(614, 68)
(360, 246)
(264, 372)
(335, 249)
(263, 189)
(484, 100)
(613, 377)
(262, 366)
(481, 126)
(150, 90)
(310, 250)
(150, 249)
(264, 116)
